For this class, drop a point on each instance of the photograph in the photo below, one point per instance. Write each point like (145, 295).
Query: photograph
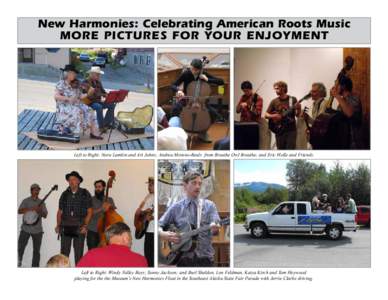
(193, 213)
(302, 213)
(302, 98)
(85, 213)
(193, 98)
(85, 98)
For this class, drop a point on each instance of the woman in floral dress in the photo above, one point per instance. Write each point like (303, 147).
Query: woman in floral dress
(72, 114)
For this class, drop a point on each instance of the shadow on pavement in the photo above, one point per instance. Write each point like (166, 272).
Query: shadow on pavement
(292, 240)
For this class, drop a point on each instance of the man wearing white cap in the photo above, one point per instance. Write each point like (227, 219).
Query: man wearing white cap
(95, 94)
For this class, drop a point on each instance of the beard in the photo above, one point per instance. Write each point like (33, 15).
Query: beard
(99, 195)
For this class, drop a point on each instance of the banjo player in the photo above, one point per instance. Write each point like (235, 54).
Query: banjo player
(35, 230)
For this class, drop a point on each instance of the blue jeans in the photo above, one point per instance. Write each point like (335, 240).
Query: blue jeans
(109, 116)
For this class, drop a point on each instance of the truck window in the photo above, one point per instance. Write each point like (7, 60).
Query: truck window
(285, 209)
(301, 209)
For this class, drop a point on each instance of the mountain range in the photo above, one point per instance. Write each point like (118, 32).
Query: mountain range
(258, 187)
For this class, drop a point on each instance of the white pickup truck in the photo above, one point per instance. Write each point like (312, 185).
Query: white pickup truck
(297, 217)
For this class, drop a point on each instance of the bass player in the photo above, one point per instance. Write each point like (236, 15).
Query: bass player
(189, 75)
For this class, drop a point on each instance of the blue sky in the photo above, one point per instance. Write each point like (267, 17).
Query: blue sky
(274, 171)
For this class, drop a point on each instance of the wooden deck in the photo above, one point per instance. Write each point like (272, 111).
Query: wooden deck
(33, 120)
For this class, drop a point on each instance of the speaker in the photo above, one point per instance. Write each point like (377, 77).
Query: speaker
(246, 136)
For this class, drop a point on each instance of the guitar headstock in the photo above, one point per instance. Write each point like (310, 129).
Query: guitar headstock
(55, 187)
(225, 221)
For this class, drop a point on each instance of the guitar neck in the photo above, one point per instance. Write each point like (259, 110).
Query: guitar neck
(198, 230)
(45, 197)
(330, 102)
(204, 228)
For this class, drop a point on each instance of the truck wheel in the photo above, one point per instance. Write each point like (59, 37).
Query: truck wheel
(334, 232)
(259, 230)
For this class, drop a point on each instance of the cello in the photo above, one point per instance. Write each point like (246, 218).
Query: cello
(110, 216)
(195, 117)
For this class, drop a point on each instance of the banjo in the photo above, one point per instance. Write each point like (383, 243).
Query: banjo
(32, 217)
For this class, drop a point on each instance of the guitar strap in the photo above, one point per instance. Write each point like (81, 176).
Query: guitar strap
(199, 212)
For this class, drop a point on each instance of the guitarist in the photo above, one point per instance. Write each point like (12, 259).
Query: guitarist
(34, 231)
(194, 212)
(95, 93)
(283, 102)
(148, 204)
(318, 95)
(99, 207)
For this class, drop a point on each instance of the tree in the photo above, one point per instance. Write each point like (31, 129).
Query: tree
(307, 179)
(339, 182)
(299, 174)
(360, 179)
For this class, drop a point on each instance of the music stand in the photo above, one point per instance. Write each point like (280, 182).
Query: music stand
(115, 97)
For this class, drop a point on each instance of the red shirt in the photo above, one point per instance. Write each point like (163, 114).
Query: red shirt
(246, 114)
(112, 256)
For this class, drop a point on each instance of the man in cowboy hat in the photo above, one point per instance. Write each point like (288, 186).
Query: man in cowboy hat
(95, 94)
(73, 216)
(147, 205)
(35, 231)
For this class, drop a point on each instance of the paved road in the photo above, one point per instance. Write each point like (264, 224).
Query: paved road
(294, 251)
(125, 77)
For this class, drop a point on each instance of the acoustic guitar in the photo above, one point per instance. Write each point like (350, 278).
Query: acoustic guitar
(288, 116)
(186, 243)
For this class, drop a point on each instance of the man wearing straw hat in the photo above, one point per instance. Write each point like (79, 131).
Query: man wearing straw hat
(95, 94)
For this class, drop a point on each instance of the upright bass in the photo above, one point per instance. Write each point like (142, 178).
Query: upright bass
(330, 129)
(195, 117)
(110, 216)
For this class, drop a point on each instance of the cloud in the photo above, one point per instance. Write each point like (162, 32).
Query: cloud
(271, 176)
(277, 174)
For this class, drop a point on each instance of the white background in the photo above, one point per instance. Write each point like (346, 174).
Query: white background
(327, 283)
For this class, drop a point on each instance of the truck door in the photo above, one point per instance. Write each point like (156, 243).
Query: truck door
(283, 218)
(308, 221)
(301, 211)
